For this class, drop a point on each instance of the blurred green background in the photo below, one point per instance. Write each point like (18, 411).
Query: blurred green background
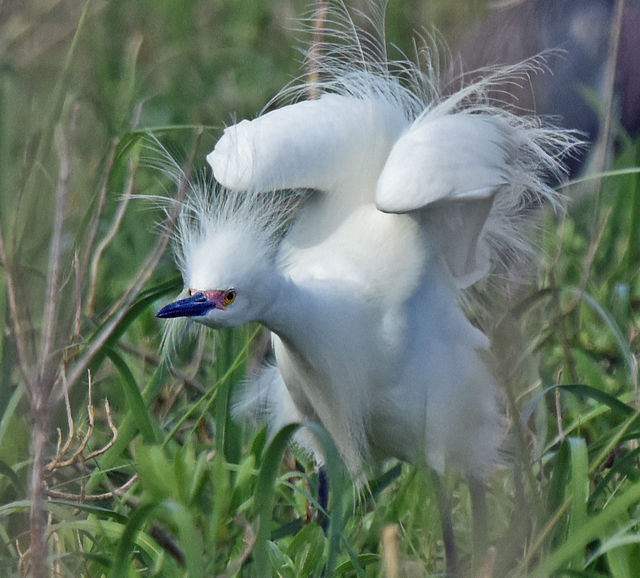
(184, 490)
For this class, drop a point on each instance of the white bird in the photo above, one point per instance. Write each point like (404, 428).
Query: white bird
(404, 200)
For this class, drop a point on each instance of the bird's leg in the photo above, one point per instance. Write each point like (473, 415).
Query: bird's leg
(323, 498)
(444, 506)
(477, 493)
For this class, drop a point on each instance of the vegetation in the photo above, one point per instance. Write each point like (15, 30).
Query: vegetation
(144, 471)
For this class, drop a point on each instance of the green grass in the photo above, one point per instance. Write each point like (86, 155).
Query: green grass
(182, 489)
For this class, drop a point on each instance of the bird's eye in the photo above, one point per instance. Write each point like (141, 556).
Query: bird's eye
(229, 297)
(189, 292)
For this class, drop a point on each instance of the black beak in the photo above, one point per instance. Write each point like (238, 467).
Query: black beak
(193, 306)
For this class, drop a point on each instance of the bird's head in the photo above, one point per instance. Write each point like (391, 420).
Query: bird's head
(226, 245)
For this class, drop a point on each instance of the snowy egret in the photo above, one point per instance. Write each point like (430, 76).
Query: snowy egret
(405, 198)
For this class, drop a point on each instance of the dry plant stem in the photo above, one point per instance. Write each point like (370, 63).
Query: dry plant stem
(102, 197)
(561, 435)
(81, 365)
(95, 219)
(564, 313)
(44, 384)
(37, 522)
(82, 497)
(77, 300)
(52, 297)
(22, 559)
(106, 241)
(78, 456)
(114, 434)
(320, 17)
(57, 548)
(58, 461)
(586, 268)
(60, 451)
(390, 548)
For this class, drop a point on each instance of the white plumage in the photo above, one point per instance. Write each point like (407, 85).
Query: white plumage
(405, 199)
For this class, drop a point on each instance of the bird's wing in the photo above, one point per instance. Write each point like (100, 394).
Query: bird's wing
(326, 144)
(454, 157)
(448, 169)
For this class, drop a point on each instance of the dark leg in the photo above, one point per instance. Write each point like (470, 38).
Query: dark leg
(323, 498)
(450, 550)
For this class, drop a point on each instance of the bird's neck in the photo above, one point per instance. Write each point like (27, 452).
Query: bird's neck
(288, 308)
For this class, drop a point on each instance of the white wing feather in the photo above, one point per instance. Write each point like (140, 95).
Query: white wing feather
(465, 175)
(327, 144)
(450, 158)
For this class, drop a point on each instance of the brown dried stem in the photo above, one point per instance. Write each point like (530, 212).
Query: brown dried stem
(315, 50)
(82, 497)
(59, 460)
(78, 456)
(52, 296)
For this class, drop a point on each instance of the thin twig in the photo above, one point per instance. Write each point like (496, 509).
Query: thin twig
(586, 267)
(84, 440)
(102, 196)
(70, 423)
(82, 497)
(106, 241)
(77, 300)
(114, 434)
(52, 296)
(58, 462)
(61, 449)
(319, 19)
(94, 226)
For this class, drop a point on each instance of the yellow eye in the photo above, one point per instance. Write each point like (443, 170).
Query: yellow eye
(229, 297)
(189, 292)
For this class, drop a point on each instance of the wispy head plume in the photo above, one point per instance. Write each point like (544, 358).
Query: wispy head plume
(216, 232)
